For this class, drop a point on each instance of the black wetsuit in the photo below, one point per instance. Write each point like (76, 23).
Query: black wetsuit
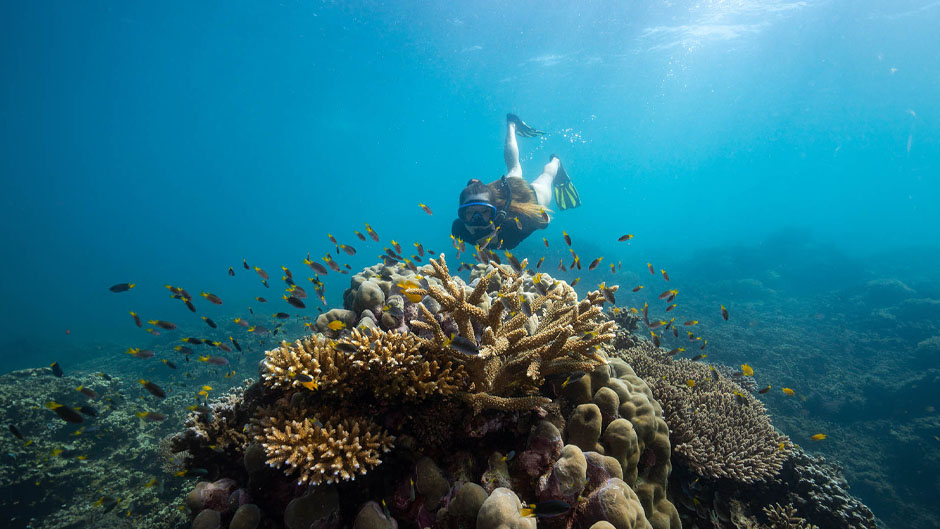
(509, 234)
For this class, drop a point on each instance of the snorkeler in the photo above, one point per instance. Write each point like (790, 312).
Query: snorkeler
(499, 215)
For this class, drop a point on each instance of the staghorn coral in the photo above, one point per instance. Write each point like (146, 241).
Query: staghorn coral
(387, 365)
(784, 517)
(334, 450)
(512, 362)
(716, 427)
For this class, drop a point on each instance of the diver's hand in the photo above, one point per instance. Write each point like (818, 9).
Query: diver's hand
(521, 128)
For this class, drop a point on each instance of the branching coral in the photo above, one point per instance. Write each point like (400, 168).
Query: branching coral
(717, 428)
(512, 363)
(336, 449)
(784, 517)
(387, 365)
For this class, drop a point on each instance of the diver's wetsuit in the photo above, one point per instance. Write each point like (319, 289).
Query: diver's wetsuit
(509, 233)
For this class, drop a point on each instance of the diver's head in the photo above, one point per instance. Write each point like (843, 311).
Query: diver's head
(476, 208)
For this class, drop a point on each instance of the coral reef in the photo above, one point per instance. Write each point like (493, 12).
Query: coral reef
(444, 403)
(718, 428)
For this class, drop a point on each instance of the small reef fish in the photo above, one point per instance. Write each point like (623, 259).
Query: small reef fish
(764, 390)
(231, 271)
(724, 313)
(665, 275)
(463, 345)
(16, 432)
(209, 322)
(151, 416)
(214, 360)
(241, 323)
(675, 351)
(426, 209)
(281, 315)
(372, 233)
(189, 305)
(747, 370)
(64, 412)
(666, 293)
(88, 392)
(788, 391)
(690, 383)
(306, 381)
(169, 364)
(211, 298)
(139, 353)
(264, 275)
(315, 266)
(154, 389)
(638, 288)
(88, 410)
(690, 323)
(576, 281)
(348, 249)
(295, 302)
(260, 299)
(518, 223)
(545, 508)
(360, 235)
(56, 369)
(235, 343)
(245, 264)
(818, 437)
(108, 502)
(336, 325)
(714, 373)
(544, 240)
(594, 264)
(696, 358)
(122, 287)
(191, 340)
(136, 319)
(670, 307)
(652, 270)
(567, 238)
(165, 325)
(539, 264)
(420, 248)
(258, 329)
(626, 237)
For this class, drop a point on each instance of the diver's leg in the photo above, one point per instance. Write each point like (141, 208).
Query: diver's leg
(511, 151)
(543, 184)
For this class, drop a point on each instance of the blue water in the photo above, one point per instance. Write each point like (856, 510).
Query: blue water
(162, 143)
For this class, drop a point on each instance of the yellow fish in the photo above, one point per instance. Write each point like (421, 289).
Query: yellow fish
(789, 391)
(747, 370)
(690, 383)
(336, 325)
(818, 437)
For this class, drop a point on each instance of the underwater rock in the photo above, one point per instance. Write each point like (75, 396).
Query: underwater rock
(318, 508)
(501, 510)
(608, 403)
(584, 428)
(372, 516)
(255, 458)
(207, 519)
(247, 516)
(369, 296)
(214, 495)
(568, 476)
(430, 482)
(621, 442)
(616, 503)
(348, 317)
(466, 503)
(542, 449)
